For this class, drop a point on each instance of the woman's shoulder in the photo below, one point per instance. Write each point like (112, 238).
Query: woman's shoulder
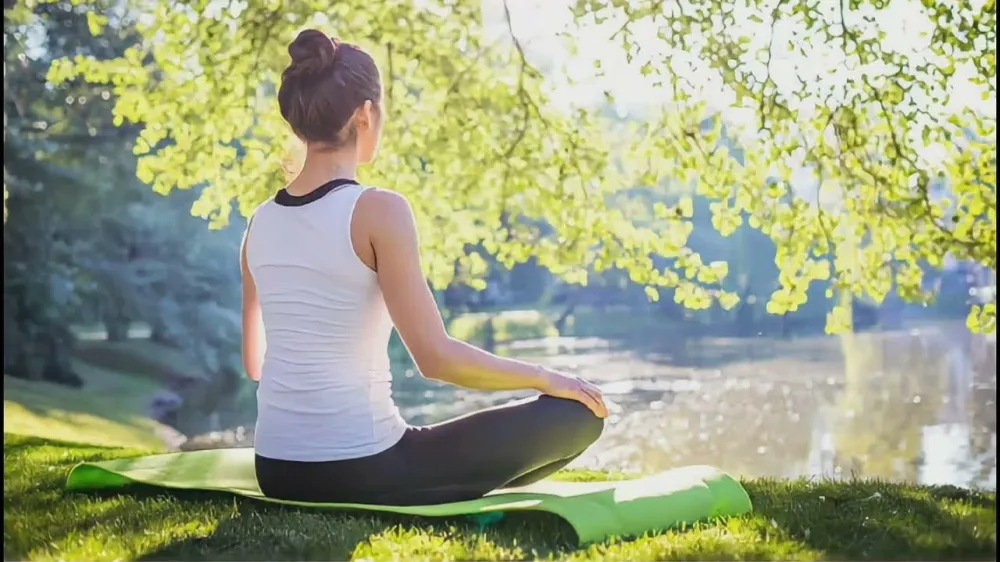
(384, 203)
(260, 209)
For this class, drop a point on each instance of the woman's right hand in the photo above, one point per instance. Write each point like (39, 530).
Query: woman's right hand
(571, 387)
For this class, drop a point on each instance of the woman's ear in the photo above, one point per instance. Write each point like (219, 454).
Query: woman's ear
(366, 116)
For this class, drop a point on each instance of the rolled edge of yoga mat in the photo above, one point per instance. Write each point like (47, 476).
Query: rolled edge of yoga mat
(89, 477)
(659, 502)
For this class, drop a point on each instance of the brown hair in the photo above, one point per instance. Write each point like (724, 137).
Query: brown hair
(326, 82)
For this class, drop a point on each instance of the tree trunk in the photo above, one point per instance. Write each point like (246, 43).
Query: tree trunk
(116, 323)
(159, 334)
(560, 322)
(489, 335)
(58, 366)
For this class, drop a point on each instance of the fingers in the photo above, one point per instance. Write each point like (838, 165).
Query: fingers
(595, 394)
(591, 397)
(575, 388)
(587, 400)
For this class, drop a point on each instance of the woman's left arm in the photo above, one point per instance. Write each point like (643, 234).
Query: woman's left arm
(254, 342)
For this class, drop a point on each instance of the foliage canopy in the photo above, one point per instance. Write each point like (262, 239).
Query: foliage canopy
(864, 161)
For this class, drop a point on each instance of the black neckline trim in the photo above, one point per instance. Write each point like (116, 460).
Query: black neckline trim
(286, 199)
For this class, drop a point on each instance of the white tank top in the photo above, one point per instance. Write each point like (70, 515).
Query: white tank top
(325, 391)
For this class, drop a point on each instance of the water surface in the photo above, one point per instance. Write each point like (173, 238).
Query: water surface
(916, 405)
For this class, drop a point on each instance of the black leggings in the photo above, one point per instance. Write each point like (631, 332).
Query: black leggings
(456, 460)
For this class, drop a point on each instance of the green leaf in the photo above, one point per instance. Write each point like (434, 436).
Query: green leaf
(652, 294)
(96, 23)
(728, 301)
(685, 207)
(839, 320)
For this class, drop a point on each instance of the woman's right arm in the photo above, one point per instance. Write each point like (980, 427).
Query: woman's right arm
(418, 320)
(254, 343)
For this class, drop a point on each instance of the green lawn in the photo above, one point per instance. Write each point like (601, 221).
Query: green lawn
(110, 409)
(120, 380)
(793, 520)
(139, 358)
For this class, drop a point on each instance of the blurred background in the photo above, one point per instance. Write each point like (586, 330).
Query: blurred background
(121, 305)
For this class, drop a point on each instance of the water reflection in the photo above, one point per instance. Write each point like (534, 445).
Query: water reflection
(913, 405)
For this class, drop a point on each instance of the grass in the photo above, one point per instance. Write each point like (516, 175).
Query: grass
(793, 520)
(140, 358)
(110, 409)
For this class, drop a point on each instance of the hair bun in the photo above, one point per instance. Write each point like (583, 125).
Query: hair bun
(313, 52)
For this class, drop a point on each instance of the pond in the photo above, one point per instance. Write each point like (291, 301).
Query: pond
(916, 405)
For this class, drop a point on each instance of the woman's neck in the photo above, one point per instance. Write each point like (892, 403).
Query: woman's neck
(321, 167)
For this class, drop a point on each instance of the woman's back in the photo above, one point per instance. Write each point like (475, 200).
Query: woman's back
(317, 319)
(325, 393)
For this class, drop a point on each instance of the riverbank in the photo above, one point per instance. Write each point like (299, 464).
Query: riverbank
(916, 405)
(799, 520)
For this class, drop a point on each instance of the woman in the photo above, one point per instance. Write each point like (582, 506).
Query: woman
(329, 267)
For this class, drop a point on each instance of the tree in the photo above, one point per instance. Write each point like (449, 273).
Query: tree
(875, 144)
(86, 242)
(62, 175)
(474, 133)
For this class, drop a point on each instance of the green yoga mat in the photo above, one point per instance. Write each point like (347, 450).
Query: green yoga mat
(595, 510)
